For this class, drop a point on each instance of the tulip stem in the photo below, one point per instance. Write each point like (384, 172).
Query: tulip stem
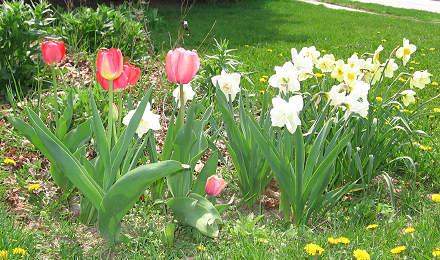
(118, 129)
(110, 113)
(55, 94)
(181, 103)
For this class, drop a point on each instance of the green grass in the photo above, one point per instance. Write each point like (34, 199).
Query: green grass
(262, 25)
(389, 10)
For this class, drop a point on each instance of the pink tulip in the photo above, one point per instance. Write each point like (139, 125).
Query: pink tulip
(109, 63)
(133, 73)
(181, 65)
(119, 83)
(53, 51)
(214, 185)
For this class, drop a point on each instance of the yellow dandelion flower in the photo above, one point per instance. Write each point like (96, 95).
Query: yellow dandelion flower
(3, 254)
(402, 79)
(313, 249)
(269, 50)
(379, 99)
(436, 253)
(434, 83)
(344, 240)
(246, 45)
(265, 76)
(409, 230)
(201, 248)
(9, 161)
(431, 116)
(281, 55)
(323, 51)
(360, 254)
(383, 40)
(417, 63)
(412, 62)
(397, 106)
(262, 79)
(19, 251)
(34, 186)
(411, 68)
(355, 53)
(435, 197)
(262, 92)
(372, 226)
(262, 240)
(437, 109)
(378, 32)
(423, 54)
(398, 250)
(332, 241)
(408, 111)
(319, 75)
(432, 49)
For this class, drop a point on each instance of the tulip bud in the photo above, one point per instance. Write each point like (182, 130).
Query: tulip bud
(181, 65)
(53, 51)
(214, 185)
(109, 63)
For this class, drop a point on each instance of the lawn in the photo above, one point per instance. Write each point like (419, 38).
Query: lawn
(45, 222)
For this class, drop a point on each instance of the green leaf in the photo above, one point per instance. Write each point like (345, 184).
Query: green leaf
(78, 136)
(67, 163)
(197, 212)
(63, 123)
(299, 171)
(122, 195)
(208, 170)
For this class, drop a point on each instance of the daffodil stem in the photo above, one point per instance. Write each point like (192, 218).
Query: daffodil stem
(110, 113)
(182, 104)
(55, 93)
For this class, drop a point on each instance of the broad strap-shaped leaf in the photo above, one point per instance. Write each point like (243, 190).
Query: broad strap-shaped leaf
(64, 121)
(197, 212)
(124, 193)
(208, 170)
(78, 136)
(100, 137)
(300, 155)
(120, 149)
(67, 163)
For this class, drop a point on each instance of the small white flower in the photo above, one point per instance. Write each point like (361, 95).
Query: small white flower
(148, 121)
(326, 63)
(376, 55)
(420, 79)
(337, 94)
(359, 90)
(405, 51)
(338, 72)
(390, 68)
(286, 113)
(356, 106)
(229, 83)
(286, 78)
(310, 52)
(408, 97)
(303, 63)
(188, 94)
(354, 63)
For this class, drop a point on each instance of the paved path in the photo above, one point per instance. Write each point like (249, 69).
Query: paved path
(425, 5)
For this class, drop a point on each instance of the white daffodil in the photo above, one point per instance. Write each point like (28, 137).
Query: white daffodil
(390, 68)
(359, 90)
(369, 69)
(148, 121)
(354, 63)
(376, 55)
(286, 113)
(405, 51)
(286, 78)
(310, 52)
(326, 63)
(338, 72)
(229, 83)
(188, 94)
(408, 97)
(350, 74)
(356, 106)
(337, 94)
(420, 79)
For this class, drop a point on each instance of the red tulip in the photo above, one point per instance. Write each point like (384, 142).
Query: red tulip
(133, 73)
(181, 65)
(214, 185)
(53, 51)
(109, 63)
(119, 83)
